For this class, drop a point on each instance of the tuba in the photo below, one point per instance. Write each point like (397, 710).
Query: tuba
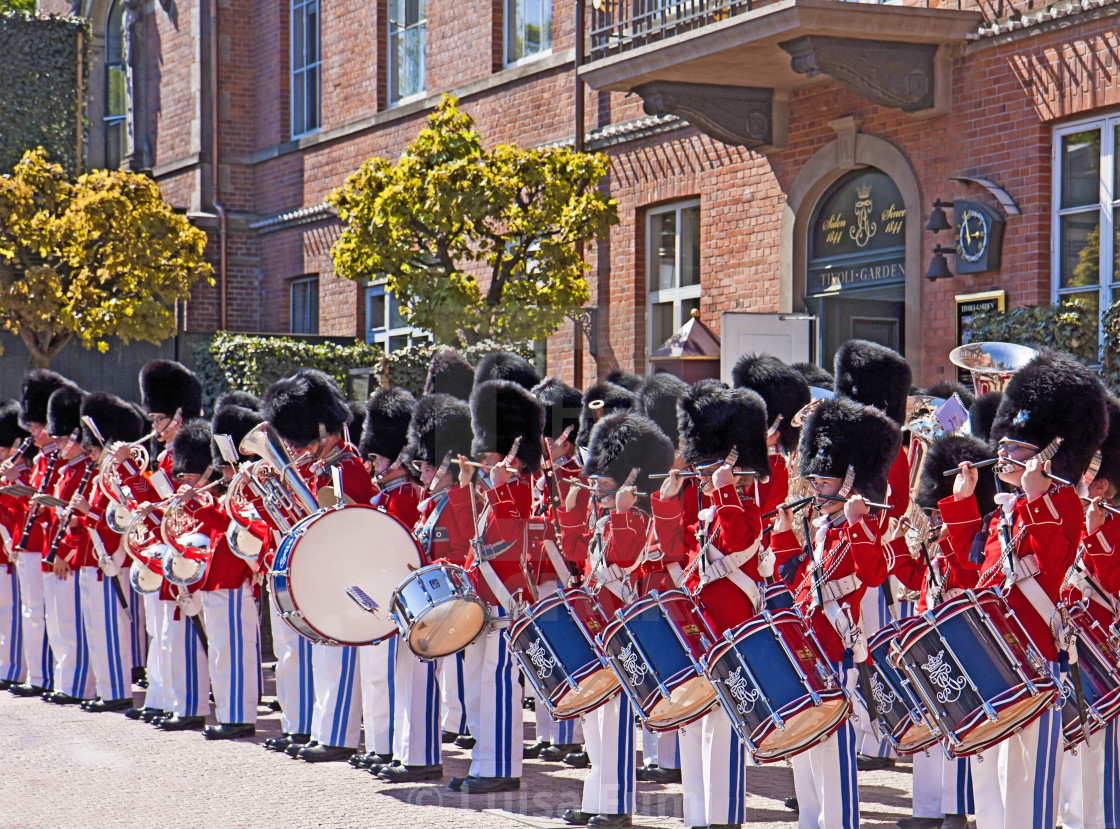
(187, 554)
(991, 364)
(144, 548)
(285, 496)
(239, 507)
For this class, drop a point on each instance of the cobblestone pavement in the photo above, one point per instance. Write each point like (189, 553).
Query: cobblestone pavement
(66, 768)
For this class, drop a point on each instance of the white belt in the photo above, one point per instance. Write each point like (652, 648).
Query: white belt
(720, 566)
(1025, 567)
(1084, 582)
(610, 577)
(555, 559)
(833, 591)
(498, 588)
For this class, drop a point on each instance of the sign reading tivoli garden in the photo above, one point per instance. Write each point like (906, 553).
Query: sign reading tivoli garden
(857, 237)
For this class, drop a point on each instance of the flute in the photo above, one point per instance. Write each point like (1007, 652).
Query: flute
(792, 506)
(657, 476)
(956, 470)
(870, 504)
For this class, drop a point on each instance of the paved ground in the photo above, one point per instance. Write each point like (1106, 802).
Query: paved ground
(65, 768)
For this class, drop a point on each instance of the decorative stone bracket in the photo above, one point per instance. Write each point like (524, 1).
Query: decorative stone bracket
(738, 115)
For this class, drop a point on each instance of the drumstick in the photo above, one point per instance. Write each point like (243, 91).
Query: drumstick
(956, 470)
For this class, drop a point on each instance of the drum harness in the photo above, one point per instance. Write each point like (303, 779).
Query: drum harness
(484, 553)
(713, 564)
(431, 530)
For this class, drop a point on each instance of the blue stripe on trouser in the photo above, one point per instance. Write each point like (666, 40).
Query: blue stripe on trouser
(431, 715)
(306, 686)
(112, 639)
(138, 629)
(391, 669)
(1049, 733)
(81, 667)
(345, 697)
(737, 774)
(15, 646)
(1111, 777)
(502, 713)
(461, 692)
(236, 658)
(625, 757)
(192, 667)
(848, 786)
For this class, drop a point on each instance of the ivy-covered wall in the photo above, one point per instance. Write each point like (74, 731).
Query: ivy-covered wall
(44, 66)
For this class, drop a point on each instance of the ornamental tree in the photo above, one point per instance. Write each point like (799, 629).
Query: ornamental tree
(97, 257)
(450, 211)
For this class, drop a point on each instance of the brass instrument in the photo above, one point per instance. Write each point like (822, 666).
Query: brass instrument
(991, 364)
(140, 543)
(274, 477)
(109, 476)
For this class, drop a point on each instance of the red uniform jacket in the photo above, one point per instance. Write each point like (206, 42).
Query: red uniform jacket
(544, 522)
(399, 499)
(13, 512)
(85, 553)
(898, 487)
(503, 522)
(774, 491)
(68, 480)
(356, 482)
(1101, 561)
(623, 538)
(39, 536)
(443, 533)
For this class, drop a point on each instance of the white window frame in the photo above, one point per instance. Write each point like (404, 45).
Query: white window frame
(394, 34)
(508, 16)
(384, 336)
(675, 295)
(298, 75)
(312, 322)
(120, 119)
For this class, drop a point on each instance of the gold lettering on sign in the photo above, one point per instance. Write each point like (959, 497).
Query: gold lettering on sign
(865, 228)
(834, 228)
(893, 218)
(868, 273)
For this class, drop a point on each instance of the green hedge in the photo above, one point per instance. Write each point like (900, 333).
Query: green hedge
(408, 367)
(39, 84)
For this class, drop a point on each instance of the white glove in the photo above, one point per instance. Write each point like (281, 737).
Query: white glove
(766, 563)
(189, 603)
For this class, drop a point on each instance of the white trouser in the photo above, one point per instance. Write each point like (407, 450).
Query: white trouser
(661, 749)
(153, 623)
(186, 673)
(337, 719)
(138, 608)
(876, 614)
(1090, 786)
(1016, 784)
(67, 634)
(713, 772)
(295, 684)
(452, 689)
(493, 705)
(11, 626)
(416, 731)
(608, 737)
(108, 633)
(231, 623)
(941, 786)
(376, 664)
(33, 606)
(824, 780)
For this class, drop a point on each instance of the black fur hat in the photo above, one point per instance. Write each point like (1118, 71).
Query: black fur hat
(982, 412)
(235, 421)
(167, 386)
(356, 427)
(297, 405)
(815, 375)
(441, 424)
(1109, 466)
(947, 388)
(562, 407)
(116, 419)
(64, 411)
(38, 386)
(504, 365)
(244, 399)
(600, 400)
(948, 451)
(659, 395)
(712, 421)
(626, 379)
(842, 433)
(450, 373)
(190, 449)
(502, 410)
(1053, 396)
(874, 375)
(11, 432)
(785, 390)
(388, 413)
(624, 441)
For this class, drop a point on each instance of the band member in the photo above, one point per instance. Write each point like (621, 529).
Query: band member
(1052, 419)
(599, 400)
(449, 373)
(308, 412)
(659, 394)
(624, 450)
(846, 452)
(504, 416)
(815, 376)
(15, 443)
(503, 365)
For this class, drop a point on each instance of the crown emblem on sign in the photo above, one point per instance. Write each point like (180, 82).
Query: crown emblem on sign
(863, 190)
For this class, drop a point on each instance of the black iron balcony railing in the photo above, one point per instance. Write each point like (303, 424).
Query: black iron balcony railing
(622, 25)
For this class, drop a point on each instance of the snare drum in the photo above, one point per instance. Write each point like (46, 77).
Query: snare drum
(1100, 680)
(777, 596)
(655, 646)
(437, 610)
(777, 686)
(902, 719)
(330, 551)
(555, 642)
(975, 670)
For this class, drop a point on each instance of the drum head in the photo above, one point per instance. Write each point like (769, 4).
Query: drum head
(447, 628)
(1011, 717)
(592, 692)
(687, 702)
(803, 729)
(355, 546)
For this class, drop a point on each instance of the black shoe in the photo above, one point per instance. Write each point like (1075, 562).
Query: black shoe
(456, 783)
(274, 705)
(59, 698)
(100, 706)
(448, 737)
(376, 768)
(152, 714)
(577, 760)
(5, 684)
(361, 761)
(278, 743)
(26, 690)
(575, 817)
(295, 748)
(865, 762)
(135, 713)
(610, 821)
(791, 804)
(140, 676)
(556, 753)
(489, 785)
(656, 774)
(955, 821)
(411, 774)
(320, 753)
(229, 731)
(919, 823)
(529, 703)
(534, 751)
(177, 723)
(725, 826)
(465, 741)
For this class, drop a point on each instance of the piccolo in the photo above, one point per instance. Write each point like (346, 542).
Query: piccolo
(870, 504)
(591, 488)
(657, 476)
(792, 506)
(956, 470)
(1022, 465)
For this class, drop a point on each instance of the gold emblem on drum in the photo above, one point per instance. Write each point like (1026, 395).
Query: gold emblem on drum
(804, 654)
(541, 660)
(691, 630)
(941, 674)
(630, 663)
(593, 626)
(740, 688)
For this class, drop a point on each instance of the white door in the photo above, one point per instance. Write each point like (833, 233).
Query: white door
(786, 336)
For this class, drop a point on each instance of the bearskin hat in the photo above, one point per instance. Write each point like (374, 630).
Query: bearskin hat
(562, 406)
(624, 441)
(874, 375)
(982, 412)
(842, 433)
(785, 390)
(116, 419)
(948, 451)
(64, 411)
(450, 373)
(233, 420)
(190, 449)
(244, 399)
(815, 375)
(1054, 396)
(11, 432)
(1109, 466)
(440, 425)
(388, 413)
(504, 365)
(945, 389)
(297, 405)
(38, 386)
(356, 427)
(167, 386)
(502, 410)
(659, 395)
(600, 400)
(627, 379)
(712, 421)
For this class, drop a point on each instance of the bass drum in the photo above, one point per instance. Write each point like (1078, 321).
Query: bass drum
(328, 553)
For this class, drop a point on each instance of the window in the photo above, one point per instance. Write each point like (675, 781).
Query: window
(528, 28)
(305, 305)
(384, 323)
(116, 89)
(673, 266)
(305, 66)
(408, 40)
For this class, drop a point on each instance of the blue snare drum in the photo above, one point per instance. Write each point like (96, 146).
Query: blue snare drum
(902, 720)
(1100, 680)
(777, 596)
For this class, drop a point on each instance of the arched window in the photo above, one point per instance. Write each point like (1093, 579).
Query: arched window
(116, 88)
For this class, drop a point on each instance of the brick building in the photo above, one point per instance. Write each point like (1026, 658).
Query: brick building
(778, 157)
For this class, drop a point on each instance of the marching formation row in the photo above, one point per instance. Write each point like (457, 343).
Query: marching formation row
(824, 569)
